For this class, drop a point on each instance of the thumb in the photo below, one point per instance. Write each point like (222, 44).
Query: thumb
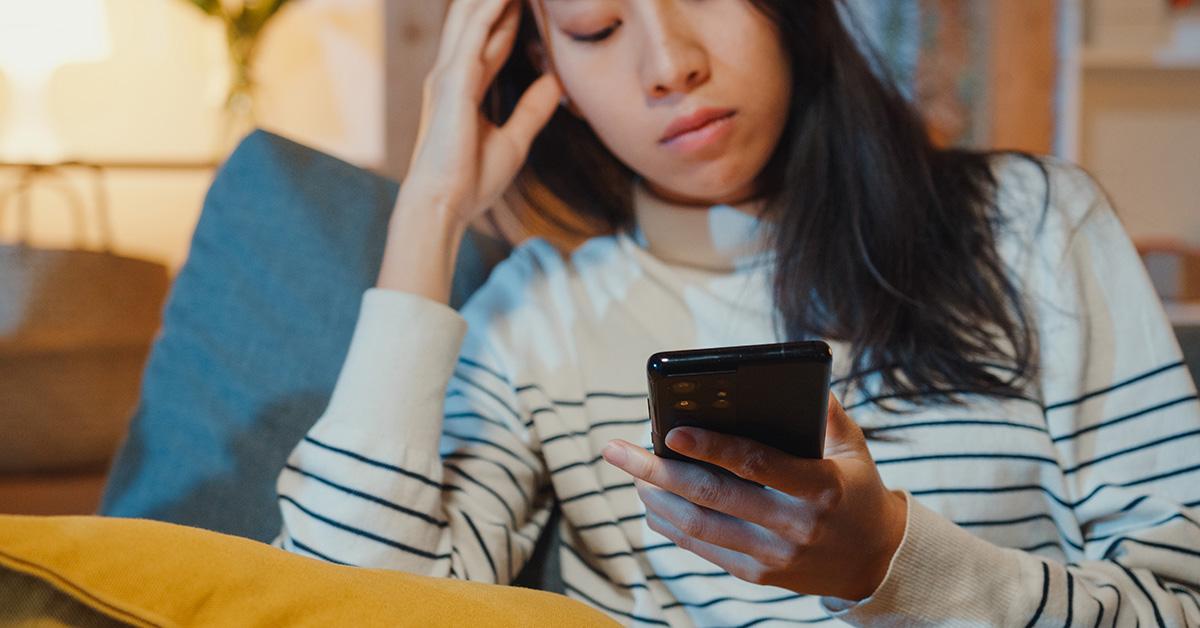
(534, 110)
(843, 437)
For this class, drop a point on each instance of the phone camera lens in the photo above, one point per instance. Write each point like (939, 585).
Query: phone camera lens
(721, 394)
(685, 404)
(683, 387)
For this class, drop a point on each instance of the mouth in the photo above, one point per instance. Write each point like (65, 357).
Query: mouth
(695, 122)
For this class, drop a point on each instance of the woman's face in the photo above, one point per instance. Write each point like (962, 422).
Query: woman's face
(650, 64)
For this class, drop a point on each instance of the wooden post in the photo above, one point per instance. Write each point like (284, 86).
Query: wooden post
(1023, 74)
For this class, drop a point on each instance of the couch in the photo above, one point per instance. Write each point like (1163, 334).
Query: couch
(255, 330)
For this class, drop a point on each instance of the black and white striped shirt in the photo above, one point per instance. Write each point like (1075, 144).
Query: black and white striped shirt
(1077, 503)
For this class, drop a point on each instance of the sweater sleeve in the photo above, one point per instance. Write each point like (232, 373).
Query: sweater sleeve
(1123, 417)
(366, 486)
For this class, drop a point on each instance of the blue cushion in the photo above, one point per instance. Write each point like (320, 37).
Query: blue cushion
(254, 333)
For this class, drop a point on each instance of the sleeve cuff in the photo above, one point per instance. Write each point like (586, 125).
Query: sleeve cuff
(401, 357)
(940, 573)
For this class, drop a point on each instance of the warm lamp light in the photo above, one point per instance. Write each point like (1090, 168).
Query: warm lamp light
(36, 37)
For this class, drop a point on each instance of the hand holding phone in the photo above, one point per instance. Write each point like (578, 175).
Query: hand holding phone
(776, 394)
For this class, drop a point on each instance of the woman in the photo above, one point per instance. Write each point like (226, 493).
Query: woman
(1031, 431)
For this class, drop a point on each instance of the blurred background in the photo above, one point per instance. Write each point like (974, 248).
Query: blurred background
(116, 114)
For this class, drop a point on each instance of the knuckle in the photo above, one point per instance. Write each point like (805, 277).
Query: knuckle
(829, 497)
(707, 490)
(692, 523)
(754, 462)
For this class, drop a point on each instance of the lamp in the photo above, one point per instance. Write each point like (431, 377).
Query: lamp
(36, 37)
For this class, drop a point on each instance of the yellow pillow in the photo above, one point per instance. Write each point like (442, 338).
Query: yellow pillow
(152, 573)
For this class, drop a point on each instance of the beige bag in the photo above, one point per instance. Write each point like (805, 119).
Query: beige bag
(76, 327)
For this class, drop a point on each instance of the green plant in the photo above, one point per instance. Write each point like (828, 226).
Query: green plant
(244, 21)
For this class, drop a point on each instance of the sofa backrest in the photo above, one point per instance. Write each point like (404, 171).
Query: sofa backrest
(254, 332)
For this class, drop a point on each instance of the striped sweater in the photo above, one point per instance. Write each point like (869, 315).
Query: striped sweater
(450, 435)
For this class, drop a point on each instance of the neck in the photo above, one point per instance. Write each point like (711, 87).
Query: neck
(716, 237)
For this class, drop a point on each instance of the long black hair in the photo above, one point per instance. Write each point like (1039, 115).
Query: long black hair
(888, 243)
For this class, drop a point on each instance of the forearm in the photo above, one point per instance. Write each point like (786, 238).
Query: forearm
(943, 574)
(424, 236)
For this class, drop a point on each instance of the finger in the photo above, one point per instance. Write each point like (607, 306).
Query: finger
(452, 28)
(706, 488)
(500, 42)
(710, 526)
(754, 461)
(843, 437)
(736, 564)
(468, 53)
(534, 110)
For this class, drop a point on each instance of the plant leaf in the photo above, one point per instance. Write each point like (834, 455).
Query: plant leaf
(211, 7)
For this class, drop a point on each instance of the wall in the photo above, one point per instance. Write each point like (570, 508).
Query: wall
(158, 97)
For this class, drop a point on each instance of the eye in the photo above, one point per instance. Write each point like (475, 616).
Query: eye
(597, 36)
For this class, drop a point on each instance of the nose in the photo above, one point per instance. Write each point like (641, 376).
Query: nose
(675, 60)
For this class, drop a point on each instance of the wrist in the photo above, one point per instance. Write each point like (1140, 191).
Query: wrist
(896, 524)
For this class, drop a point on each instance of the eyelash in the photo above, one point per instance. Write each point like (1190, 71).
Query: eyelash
(596, 37)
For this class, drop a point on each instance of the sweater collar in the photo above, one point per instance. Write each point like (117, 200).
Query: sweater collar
(716, 238)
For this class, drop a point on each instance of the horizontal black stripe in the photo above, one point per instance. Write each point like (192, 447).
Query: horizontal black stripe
(1121, 419)
(595, 426)
(814, 620)
(946, 391)
(956, 422)
(382, 465)
(363, 533)
(1116, 386)
(585, 463)
(586, 396)
(308, 550)
(984, 523)
(599, 574)
(968, 456)
(483, 389)
(792, 597)
(1160, 522)
(1041, 546)
(487, 443)
(984, 490)
(1129, 450)
(1186, 551)
(606, 489)
(368, 497)
(596, 603)
(476, 415)
(610, 523)
(486, 369)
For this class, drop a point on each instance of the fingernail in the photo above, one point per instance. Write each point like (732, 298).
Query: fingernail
(615, 454)
(680, 439)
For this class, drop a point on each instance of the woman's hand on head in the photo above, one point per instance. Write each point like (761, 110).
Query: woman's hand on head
(819, 527)
(461, 161)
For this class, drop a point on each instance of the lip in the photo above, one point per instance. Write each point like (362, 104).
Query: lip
(693, 121)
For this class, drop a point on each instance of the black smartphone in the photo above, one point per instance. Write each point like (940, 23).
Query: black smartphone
(777, 394)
